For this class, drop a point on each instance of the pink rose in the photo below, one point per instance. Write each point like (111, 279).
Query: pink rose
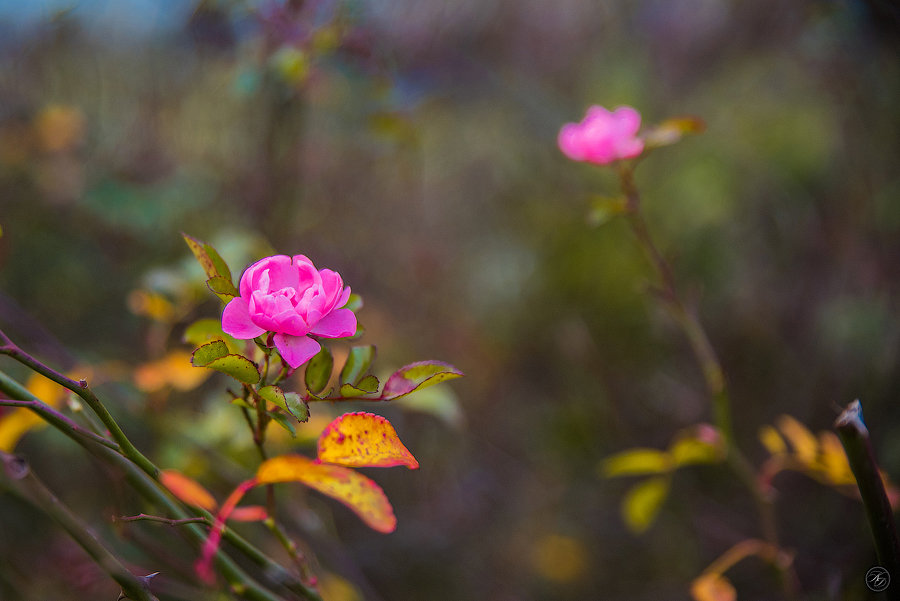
(603, 136)
(289, 297)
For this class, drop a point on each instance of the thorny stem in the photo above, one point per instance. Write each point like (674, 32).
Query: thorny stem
(49, 414)
(81, 389)
(156, 518)
(150, 489)
(23, 482)
(713, 374)
(292, 549)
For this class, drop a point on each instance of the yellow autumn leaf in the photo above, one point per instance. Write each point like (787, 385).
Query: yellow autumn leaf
(175, 370)
(772, 440)
(643, 502)
(804, 442)
(351, 488)
(636, 462)
(363, 440)
(690, 450)
(834, 460)
(712, 587)
(16, 422)
(187, 489)
(151, 304)
(334, 588)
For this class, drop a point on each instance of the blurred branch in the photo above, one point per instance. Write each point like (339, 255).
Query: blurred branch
(22, 481)
(81, 389)
(855, 437)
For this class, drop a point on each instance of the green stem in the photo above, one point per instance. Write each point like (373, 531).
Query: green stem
(855, 437)
(51, 415)
(82, 390)
(23, 482)
(713, 374)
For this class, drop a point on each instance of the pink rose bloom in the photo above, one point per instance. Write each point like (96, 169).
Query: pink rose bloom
(603, 136)
(289, 297)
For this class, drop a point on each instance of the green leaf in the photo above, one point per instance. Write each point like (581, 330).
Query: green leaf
(282, 420)
(204, 330)
(209, 352)
(370, 384)
(223, 287)
(418, 375)
(297, 406)
(642, 503)
(274, 395)
(637, 462)
(318, 371)
(238, 367)
(206, 262)
(242, 403)
(604, 208)
(354, 303)
(358, 362)
(219, 263)
(349, 391)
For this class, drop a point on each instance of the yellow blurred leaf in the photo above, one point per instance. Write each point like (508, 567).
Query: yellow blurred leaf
(637, 462)
(772, 440)
(834, 460)
(804, 442)
(643, 502)
(187, 489)
(712, 587)
(351, 488)
(689, 450)
(60, 127)
(671, 131)
(559, 558)
(363, 440)
(152, 305)
(13, 426)
(175, 370)
(335, 588)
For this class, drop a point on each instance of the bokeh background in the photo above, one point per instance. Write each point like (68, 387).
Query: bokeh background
(411, 147)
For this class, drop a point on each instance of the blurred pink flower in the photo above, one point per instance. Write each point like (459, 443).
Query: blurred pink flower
(290, 298)
(603, 136)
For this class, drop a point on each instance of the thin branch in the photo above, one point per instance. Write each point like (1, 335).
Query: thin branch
(23, 482)
(48, 414)
(156, 518)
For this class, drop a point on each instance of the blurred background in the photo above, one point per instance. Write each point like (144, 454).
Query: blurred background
(412, 148)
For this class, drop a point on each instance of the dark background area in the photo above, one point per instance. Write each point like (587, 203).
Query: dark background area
(412, 148)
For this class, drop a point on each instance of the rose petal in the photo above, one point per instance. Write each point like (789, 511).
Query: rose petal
(296, 350)
(236, 320)
(337, 324)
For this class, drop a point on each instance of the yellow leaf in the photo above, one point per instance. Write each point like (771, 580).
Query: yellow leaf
(363, 440)
(14, 424)
(351, 488)
(712, 587)
(772, 440)
(804, 442)
(834, 460)
(188, 490)
(60, 127)
(637, 462)
(689, 450)
(152, 305)
(175, 370)
(559, 558)
(642, 503)
(335, 588)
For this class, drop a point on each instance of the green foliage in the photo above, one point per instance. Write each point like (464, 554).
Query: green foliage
(318, 371)
(418, 375)
(358, 362)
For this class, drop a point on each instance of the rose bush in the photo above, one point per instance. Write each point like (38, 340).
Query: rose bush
(603, 136)
(290, 298)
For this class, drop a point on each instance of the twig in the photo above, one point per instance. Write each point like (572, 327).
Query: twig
(22, 481)
(156, 518)
(855, 437)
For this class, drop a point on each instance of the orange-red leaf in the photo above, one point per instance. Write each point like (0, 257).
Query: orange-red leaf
(712, 587)
(351, 488)
(187, 489)
(363, 440)
(249, 513)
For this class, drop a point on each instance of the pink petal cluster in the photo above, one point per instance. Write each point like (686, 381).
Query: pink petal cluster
(603, 136)
(290, 298)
